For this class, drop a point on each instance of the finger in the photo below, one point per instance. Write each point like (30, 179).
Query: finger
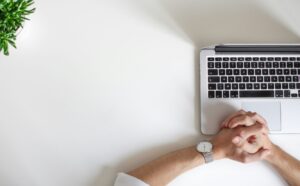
(259, 155)
(248, 147)
(258, 118)
(243, 120)
(254, 117)
(253, 130)
(225, 122)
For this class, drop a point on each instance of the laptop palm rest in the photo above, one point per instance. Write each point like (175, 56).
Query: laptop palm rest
(271, 111)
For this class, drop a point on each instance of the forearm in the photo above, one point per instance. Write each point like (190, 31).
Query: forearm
(163, 170)
(286, 165)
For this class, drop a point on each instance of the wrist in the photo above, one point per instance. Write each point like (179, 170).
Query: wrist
(273, 155)
(218, 151)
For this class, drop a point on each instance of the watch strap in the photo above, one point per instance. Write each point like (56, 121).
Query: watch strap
(208, 157)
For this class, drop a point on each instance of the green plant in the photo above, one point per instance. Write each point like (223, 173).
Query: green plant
(13, 13)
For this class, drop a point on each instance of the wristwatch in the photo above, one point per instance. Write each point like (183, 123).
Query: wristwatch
(205, 148)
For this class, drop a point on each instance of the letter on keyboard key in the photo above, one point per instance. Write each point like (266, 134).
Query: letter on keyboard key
(253, 94)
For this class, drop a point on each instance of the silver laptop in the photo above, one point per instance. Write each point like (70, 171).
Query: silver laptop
(259, 78)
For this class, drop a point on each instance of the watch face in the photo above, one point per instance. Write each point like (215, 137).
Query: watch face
(204, 147)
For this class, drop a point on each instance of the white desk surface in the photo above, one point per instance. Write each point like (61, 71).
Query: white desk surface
(98, 87)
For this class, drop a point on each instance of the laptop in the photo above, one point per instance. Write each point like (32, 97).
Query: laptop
(258, 78)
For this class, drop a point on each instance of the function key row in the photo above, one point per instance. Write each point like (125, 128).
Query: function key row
(253, 64)
(254, 94)
(253, 72)
(253, 58)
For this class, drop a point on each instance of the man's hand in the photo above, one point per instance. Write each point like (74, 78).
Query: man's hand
(253, 137)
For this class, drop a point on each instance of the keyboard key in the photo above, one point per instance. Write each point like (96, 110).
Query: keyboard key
(256, 86)
(235, 86)
(289, 64)
(245, 79)
(225, 94)
(285, 86)
(286, 71)
(244, 72)
(292, 85)
(241, 59)
(212, 86)
(265, 72)
(225, 64)
(239, 65)
(279, 93)
(281, 78)
(297, 64)
(247, 65)
(242, 86)
(263, 86)
(263, 93)
(210, 65)
(218, 65)
(270, 59)
(257, 72)
(298, 85)
(218, 94)
(249, 86)
(232, 64)
(218, 59)
(269, 65)
(277, 85)
(288, 78)
(272, 71)
(282, 64)
(292, 59)
(255, 59)
(270, 85)
(275, 65)
(274, 78)
(293, 71)
(277, 59)
(279, 71)
(233, 59)
(254, 65)
(263, 59)
(260, 79)
(220, 86)
(261, 65)
(234, 94)
(285, 59)
(238, 79)
(230, 79)
(287, 93)
(228, 72)
(211, 94)
(248, 58)
(295, 78)
(212, 72)
(225, 58)
(294, 95)
(223, 79)
(250, 72)
(227, 86)
(221, 72)
(252, 78)
(236, 72)
(267, 78)
(210, 59)
(214, 79)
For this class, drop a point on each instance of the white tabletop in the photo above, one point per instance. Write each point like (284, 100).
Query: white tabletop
(96, 87)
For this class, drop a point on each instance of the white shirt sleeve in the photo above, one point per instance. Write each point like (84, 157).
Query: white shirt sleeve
(127, 180)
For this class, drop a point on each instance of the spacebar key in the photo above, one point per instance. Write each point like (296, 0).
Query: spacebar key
(253, 94)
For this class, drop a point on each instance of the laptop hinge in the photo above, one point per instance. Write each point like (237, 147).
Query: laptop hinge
(258, 48)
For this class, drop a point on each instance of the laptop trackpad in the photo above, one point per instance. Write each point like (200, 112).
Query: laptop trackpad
(271, 111)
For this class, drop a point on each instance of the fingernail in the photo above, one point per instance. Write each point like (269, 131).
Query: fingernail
(236, 140)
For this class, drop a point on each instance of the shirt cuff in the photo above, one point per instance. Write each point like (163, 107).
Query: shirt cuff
(127, 180)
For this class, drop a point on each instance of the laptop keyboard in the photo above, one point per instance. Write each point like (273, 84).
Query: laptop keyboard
(253, 77)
